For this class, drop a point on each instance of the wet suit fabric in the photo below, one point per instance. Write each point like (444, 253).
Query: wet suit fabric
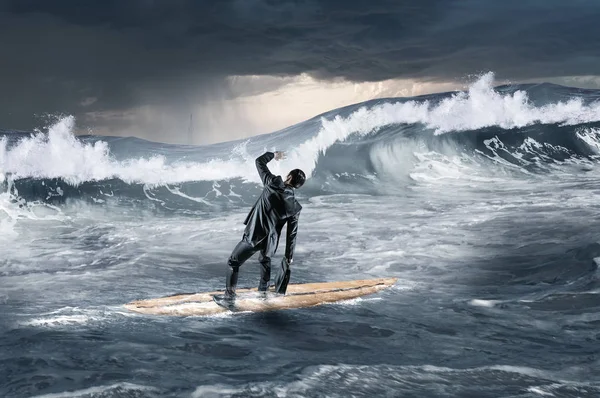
(275, 208)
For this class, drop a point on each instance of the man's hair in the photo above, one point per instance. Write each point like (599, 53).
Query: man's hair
(297, 178)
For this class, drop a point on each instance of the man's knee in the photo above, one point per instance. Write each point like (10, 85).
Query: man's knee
(242, 252)
(235, 267)
(265, 260)
(235, 261)
(265, 256)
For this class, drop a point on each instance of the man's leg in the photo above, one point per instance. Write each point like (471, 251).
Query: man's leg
(242, 252)
(265, 271)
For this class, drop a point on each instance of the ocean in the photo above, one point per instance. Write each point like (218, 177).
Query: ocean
(483, 203)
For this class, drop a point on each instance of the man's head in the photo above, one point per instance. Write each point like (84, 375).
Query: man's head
(295, 178)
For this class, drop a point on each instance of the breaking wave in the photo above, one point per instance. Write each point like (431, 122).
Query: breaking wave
(524, 128)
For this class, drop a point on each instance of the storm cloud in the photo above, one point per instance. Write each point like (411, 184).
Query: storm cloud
(92, 58)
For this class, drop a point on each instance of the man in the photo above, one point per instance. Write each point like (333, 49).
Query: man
(276, 207)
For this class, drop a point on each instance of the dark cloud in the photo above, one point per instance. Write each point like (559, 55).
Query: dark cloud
(107, 55)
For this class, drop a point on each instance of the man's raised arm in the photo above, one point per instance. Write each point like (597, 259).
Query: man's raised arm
(263, 171)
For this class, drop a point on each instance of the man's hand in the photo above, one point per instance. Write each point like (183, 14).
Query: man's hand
(283, 277)
(279, 155)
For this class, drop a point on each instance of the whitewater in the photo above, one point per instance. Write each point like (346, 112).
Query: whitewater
(483, 203)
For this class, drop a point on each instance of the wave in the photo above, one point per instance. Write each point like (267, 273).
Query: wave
(521, 127)
(343, 380)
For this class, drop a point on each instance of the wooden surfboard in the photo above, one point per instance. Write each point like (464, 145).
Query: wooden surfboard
(297, 296)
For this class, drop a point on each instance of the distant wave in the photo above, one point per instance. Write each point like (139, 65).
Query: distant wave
(526, 126)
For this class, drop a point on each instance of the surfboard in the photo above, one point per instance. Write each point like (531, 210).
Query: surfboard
(298, 296)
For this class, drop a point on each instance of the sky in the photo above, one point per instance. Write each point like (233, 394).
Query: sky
(246, 67)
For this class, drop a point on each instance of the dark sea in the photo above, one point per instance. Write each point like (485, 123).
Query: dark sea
(484, 204)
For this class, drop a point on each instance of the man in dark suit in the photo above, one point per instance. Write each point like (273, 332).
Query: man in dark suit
(276, 207)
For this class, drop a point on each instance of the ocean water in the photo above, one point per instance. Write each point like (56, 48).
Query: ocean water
(484, 204)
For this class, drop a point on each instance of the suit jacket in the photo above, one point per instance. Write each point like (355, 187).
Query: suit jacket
(276, 207)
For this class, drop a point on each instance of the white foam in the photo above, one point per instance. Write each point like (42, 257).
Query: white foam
(60, 154)
(354, 301)
(215, 391)
(524, 370)
(484, 303)
(60, 320)
(540, 391)
(13, 209)
(100, 390)
(481, 106)
(591, 137)
(65, 316)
